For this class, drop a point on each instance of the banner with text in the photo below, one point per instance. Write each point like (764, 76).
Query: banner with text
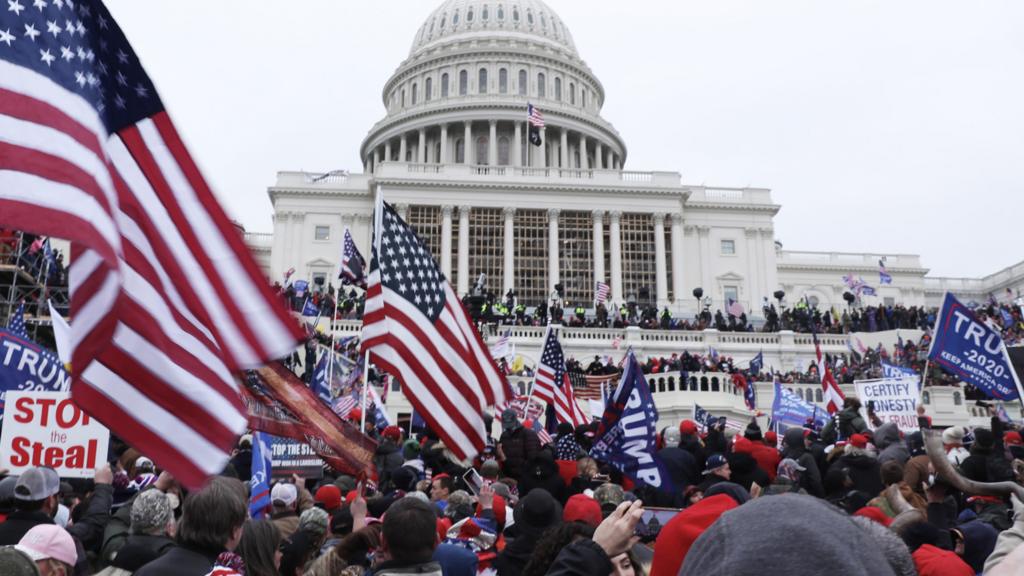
(27, 366)
(789, 410)
(893, 399)
(49, 429)
(288, 456)
(969, 348)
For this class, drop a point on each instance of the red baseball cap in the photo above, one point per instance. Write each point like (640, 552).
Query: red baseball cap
(859, 441)
(688, 427)
(329, 496)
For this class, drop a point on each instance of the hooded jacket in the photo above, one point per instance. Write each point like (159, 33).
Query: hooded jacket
(745, 469)
(889, 444)
(979, 541)
(850, 423)
(679, 534)
(793, 447)
(542, 472)
(519, 447)
(865, 472)
(932, 561)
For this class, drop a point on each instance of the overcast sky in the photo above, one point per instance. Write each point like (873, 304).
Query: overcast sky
(879, 126)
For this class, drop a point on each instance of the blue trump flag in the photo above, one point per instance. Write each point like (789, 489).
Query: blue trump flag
(969, 348)
(25, 365)
(310, 309)
(321, 386)
(791, 411)
(702, 416)
(893, 371)
(627, 435)
(756, 364)
(259, 499)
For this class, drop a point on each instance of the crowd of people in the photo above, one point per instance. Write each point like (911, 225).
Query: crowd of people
(34, 256)
(855, 497)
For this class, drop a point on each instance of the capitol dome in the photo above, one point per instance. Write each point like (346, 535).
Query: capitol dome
(462, 94)
(487, 19)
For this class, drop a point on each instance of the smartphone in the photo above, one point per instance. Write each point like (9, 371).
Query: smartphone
(652, 521)
(474, 481)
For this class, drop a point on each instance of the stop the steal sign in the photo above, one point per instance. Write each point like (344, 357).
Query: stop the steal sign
(49, 429)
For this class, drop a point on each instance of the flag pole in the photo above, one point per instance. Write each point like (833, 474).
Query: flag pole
(378, 218)
(330, 367)
(533, 385)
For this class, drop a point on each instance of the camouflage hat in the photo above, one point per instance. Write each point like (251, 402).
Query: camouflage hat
(151, 512)
(314, 522)
(609, 495)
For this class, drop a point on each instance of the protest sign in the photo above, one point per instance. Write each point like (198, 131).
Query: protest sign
(971, 349)
(893, 399)
(27, 366)
(49, 429)
(288, 456)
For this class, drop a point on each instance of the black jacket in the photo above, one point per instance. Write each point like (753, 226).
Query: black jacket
(141, 549)
(180, 561)
(745, 471)
(20, 522)
(865, 472)
(582, 558)
(519, 446)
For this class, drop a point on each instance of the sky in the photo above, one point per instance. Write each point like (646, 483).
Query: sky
(890, 127)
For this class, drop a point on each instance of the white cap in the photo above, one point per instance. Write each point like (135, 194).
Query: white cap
(284, 494)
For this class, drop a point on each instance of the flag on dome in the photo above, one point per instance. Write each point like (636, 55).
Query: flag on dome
(352, 264)
(416, 329)
(552, 384)
(535, 119)
(168, 299)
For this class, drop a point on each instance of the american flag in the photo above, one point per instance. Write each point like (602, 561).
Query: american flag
(833, 395)
(601, 291)
(352, 264)
(167, 298)
(344, 404)
(734, 308)
(16, 323)
(552, 385)
(592, 387)
(534, 116)
(415, 328)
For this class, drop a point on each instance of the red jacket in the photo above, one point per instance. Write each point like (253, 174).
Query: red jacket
(681, 532)
(767, 457)
(932, 561)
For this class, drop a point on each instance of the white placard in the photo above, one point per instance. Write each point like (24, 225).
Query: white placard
(49, 429)
(895, 400)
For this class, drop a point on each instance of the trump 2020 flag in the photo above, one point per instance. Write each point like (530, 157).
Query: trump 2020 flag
(971, 349)
(310, 309)
(627, 436)
(259, 499)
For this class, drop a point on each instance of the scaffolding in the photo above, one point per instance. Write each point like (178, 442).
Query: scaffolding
(30, 276)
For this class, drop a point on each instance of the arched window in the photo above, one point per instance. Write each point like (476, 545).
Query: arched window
(444, 85)
(460, 151)
(501, 12)
(503, 151)
(543, 21)
(469, 15)
(817, 395)
(414, 86)
(403, 97)
(714, 384)
(572, 93)
(703, 383)
(455, 18)
(522, 83)
(503, 81)
(661, 385)
(444, 18)
(529, 17)
(463, 82)
(671, 384)
(484, 13)
(693, 383)
(515, 14)
(957, 398)
(558, 89)
(481, 150)
(926, 397)
(481, 83)
(541, 90)
(583, 97)
(428, 89)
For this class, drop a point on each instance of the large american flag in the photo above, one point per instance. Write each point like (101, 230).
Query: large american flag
(552, 384)
(534, 116)
(593, 386)
(830, 388)
(601, 291)
(166, 298)
(353, 267)
(415, 328)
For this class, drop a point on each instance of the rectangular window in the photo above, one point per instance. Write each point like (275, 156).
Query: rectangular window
(319, 280)
(322, 233)
(730, 293)
(728, 247)
(889, 301)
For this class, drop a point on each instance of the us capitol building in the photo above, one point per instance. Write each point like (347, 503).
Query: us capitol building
(452, 153)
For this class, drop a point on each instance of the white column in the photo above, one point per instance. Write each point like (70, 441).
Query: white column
(376, 158)
(463, 280)
(446, 241)
(509, 277)
(298, 243)
(563, 150)
(542, 149)
(660, 269)
(553, 247)
(421, 148)
(615, 159)
(584, 162)
(492, 144)
(753, 282)
(387, 151)
(705, 258)
(598, 160)
(468, 148)
(402, 148)
(608, 160)
(517, 145)
(444, 145)
(615, 237)
(677, 257)
(403, 211)
(598, 245)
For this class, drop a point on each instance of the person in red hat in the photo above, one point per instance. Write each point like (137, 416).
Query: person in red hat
(690, 441)
(328, 497)
(582, 508)
(863, 467)
(388, 456)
